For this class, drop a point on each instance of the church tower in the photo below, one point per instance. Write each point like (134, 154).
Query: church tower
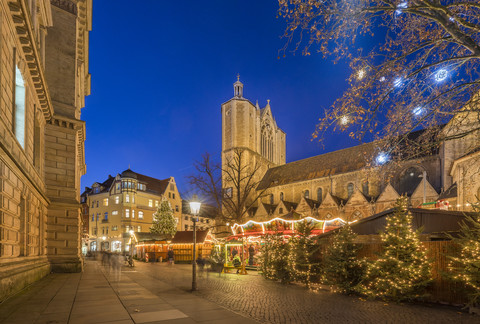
(251, 128)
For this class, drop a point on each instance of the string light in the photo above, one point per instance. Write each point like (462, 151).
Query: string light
(344, 120)
(361, 74)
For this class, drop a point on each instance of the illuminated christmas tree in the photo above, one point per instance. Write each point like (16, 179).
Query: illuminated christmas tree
(301, 254)
(342, 269)
(466, 267)
(275, 263)
(163, 220)
(402, 271)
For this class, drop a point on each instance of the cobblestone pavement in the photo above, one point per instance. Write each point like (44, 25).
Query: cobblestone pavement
(270, 302)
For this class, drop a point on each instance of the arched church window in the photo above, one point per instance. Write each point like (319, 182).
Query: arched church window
(281, 196)
(350, 189)
(365, 188)
(409, 180)
(306, 194)
(319, 195)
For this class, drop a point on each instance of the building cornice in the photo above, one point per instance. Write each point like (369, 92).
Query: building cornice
(23, 29)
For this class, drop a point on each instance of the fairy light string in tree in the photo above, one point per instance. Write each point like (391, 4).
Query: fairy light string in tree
(402, 271)
(163, 220)
(466, 267)
(301, 256)
(342, 270)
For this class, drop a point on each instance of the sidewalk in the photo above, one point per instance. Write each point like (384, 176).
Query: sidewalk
(101, 296)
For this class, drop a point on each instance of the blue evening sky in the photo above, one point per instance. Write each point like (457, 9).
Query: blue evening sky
(161, 69)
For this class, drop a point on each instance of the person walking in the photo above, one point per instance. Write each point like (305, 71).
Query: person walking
(170, 255)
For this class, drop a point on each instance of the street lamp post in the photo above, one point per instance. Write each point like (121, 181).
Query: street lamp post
(195, 209)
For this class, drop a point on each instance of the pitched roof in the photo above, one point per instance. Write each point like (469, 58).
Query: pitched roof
(153, 185)
(312, 203)
(183, 237)
(269, 208)
(341, 161)
(147, 236)
(451, 192)
(290, 205)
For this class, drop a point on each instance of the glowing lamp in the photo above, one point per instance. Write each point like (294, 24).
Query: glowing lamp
(195, 205)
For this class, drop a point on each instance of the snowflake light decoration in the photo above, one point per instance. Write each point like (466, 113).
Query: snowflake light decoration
(417, 111)
(441, 75)
(382, 158)
(401, 6)
(382, 79)
(361, 74)
(344, 120)
(398, 82)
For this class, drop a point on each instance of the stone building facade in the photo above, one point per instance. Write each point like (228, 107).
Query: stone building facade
(345, 183)
(123, 203)
(43, 81)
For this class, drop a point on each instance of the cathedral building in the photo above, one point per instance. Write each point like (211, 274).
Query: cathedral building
(343, 183)
(44, 80)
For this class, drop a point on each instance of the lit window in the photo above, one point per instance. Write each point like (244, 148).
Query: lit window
(176, 208)
(139, 228)
(105, 202)
(140, 215)
(19, 120)
(117, 199)
(127, 228)
(150, 203)
(127, 198)
(114, 228)
(156, 203)
(133, 199)
(133, 213)
(127, 213)
(115, 212)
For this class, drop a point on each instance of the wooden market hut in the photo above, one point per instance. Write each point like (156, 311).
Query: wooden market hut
(182, 244)
(151, 246)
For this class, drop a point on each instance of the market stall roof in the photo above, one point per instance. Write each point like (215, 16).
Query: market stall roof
(147, 236)
(184, 237)
(432, 221)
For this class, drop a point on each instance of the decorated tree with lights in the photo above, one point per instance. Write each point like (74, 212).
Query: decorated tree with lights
(402, 270)
(274, 262)
(301, 258)
(420, 72)
(466, 267)
(163, 220)
(341, 267)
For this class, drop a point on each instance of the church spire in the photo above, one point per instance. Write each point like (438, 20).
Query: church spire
(238, 88)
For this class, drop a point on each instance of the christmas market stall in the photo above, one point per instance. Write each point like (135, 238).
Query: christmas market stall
(182, 245)
(246, 239)
(151, 247)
